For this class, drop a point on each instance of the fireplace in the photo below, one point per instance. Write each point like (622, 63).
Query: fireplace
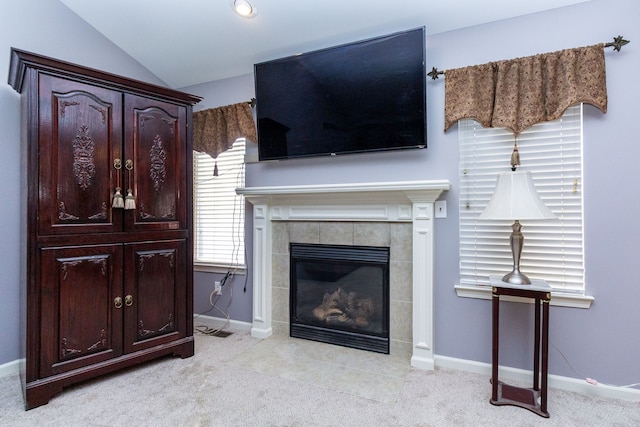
(350, 214)
(340, 295)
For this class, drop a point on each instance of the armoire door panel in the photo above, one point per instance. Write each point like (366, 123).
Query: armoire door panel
(155, 297)
(81, 322)
(80, 138)
(157, 180)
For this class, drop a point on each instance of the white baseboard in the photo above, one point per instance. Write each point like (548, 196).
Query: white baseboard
(422, 363)
(10, 368)
(556, 381)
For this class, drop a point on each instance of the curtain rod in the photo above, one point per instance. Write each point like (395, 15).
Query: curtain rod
(617, 44)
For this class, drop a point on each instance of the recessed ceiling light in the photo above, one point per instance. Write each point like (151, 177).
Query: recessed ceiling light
(244, 8)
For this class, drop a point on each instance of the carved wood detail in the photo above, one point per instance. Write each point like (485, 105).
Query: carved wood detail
(66, 265)
(170, 122)
(157, 168)
(169, 325)
(102, 343)
(102, 111)
(102, 214)
(84, 167)
(63, 215)
(143, 214)
(142, 332)
(64, 351)
(65, 104)
(169, 255)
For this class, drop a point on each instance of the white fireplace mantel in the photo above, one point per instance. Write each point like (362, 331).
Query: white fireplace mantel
(408, 201)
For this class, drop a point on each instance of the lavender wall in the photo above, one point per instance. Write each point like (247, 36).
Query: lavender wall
(599, 342)
(48, 28)
(234, 300)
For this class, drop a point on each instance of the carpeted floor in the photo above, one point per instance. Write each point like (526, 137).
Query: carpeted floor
(243, 381)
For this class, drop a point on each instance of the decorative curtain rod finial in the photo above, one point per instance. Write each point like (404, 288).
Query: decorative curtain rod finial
(617, 43)
(434, 73)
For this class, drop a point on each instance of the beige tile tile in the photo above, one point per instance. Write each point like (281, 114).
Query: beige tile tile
(280, 270)
(280, 329)
(401, 241)
(371, 234)
(279, 237)
(401, 278)
(401, 320)
(369, 375)
(401, 349)
(280, 304)
(336, 233)
(304, 232)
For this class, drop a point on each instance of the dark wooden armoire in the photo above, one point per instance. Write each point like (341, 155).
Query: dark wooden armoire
(106, 260)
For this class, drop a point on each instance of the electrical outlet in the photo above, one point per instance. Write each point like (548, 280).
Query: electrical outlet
(217, 288)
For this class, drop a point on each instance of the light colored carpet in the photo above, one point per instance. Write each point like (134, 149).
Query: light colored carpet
(243, 381)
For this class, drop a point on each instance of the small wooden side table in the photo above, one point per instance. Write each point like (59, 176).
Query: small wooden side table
(535, 398)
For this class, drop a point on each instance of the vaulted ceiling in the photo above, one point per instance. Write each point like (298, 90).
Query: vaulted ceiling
(186, 42)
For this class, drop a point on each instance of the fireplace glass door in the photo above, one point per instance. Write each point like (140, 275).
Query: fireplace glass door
(340, 295)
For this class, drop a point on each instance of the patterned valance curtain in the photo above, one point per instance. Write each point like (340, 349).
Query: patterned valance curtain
(518, 93)
(216, 129)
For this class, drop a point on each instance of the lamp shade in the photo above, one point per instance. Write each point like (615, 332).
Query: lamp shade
(515, 198)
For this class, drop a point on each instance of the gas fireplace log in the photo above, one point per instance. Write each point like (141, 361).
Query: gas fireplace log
(342, 308)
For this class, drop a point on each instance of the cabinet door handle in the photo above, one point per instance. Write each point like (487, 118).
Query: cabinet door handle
(117, 302)
(118, 199)
(128, 300)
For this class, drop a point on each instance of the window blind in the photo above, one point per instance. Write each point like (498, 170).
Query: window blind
(218, 210)
(553, 249)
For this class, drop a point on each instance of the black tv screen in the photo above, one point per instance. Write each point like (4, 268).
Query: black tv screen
(359, 97)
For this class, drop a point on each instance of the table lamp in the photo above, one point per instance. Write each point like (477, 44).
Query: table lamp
(515, 198)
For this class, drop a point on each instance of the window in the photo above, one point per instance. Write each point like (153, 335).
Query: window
(218, 210)
(553, 249)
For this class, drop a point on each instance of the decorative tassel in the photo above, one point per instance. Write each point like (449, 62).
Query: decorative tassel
(215, 169)
(515, 157)
(129, 201)
(118, 200)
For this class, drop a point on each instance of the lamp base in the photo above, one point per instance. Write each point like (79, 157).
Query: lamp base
(516, 278)
(516, 241)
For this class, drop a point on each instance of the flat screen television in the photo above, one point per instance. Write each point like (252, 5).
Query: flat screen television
(359, 97)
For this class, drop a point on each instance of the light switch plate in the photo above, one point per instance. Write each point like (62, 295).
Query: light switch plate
(441, 209)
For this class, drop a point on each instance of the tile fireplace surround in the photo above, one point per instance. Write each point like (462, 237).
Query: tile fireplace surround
(395, 214)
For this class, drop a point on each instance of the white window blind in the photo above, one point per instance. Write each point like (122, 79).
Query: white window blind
(553, 249)
(218, 210)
